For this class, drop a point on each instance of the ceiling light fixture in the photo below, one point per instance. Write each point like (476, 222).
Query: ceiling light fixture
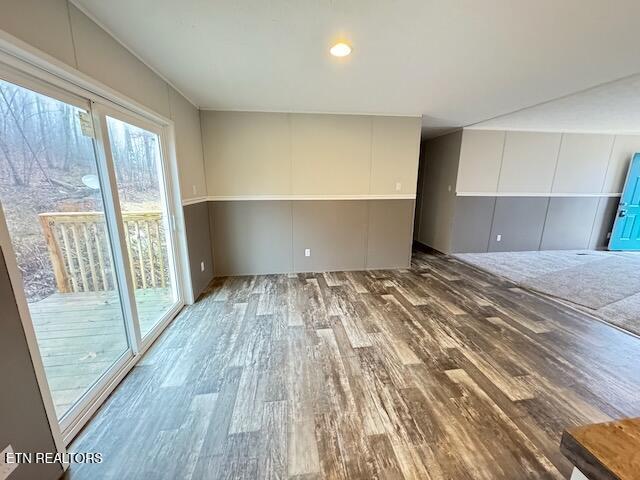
(340, 50)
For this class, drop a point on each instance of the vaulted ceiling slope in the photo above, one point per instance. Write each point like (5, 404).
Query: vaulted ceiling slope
(455, 62)
(610, 108)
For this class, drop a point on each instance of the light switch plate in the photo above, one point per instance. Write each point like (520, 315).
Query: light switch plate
(202, 266)
(307, 252)
(6, 468)
(498, 238)
(398, 186)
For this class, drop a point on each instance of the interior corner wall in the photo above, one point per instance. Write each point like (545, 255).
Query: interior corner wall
(518, 191)
(60, 29)
(439, 165)
(341, 186)
(23, 419)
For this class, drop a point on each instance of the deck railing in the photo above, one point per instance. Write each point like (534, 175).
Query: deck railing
(81, 255)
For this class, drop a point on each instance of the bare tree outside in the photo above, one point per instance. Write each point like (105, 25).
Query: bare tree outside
(47, 165)
(52, 198)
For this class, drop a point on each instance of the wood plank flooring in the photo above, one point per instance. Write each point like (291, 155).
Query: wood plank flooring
(81, 335)
(437, 372)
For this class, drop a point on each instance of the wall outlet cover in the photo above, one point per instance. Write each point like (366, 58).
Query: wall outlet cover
(202, 266)
(307, 252)
(398, 186)
(498, 238)
(6, 468)
(195, 189)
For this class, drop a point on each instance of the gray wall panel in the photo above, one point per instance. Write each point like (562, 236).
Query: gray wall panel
(569, 223)
(389, 237)
(257, 237)
(23, 420)
(335, 231)
(533, 223)
(196, 220)
(520, 221)
(251, 237)
(438, 190)
(417, 214)
(603, 223)
(472, 224)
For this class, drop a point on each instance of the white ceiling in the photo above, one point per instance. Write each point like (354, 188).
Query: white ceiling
(610, 108)
(456, 62)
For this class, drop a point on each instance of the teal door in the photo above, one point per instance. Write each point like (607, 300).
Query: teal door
(626, 229)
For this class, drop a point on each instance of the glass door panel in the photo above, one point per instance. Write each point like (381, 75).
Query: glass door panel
(51, 194)
(139, 172)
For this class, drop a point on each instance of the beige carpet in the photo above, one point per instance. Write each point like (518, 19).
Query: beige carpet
(605, 284)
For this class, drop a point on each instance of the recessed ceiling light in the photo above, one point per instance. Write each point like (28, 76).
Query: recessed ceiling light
(340, 50)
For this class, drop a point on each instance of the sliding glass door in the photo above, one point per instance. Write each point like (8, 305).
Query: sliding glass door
(85, 194)
(141, 186)
(52, 196)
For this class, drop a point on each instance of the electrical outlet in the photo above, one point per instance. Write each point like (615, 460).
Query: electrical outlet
(195, 189)
(307, 252)
(6, 468)
(498, 238)
(449, 188)
(202, 266)
(398, 186)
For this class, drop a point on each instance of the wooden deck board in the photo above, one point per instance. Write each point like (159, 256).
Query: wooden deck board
(80, 335)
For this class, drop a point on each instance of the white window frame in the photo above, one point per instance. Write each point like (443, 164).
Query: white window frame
(30, 67)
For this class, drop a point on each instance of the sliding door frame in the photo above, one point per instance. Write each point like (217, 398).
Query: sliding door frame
(100, 113)
(53, 77)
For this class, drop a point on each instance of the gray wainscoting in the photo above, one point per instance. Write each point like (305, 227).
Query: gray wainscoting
(603, 223)
(532, 223)
(336, 233)
(569, 223)
(259, 237)
(251, 237)
(389, 236)
(196, 220)
(472, 224)
(520, 222)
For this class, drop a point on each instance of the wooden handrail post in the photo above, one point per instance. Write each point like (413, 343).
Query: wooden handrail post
(72, 237)
(59, 270)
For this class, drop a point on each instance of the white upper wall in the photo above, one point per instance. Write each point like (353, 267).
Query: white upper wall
(528, 162)
(543, 163)
(279, 154)
(64, 32)
(188, 133)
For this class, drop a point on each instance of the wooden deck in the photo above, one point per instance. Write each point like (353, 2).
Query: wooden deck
(81, 334)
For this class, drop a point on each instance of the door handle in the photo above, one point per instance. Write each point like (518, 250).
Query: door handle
(622, 213)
